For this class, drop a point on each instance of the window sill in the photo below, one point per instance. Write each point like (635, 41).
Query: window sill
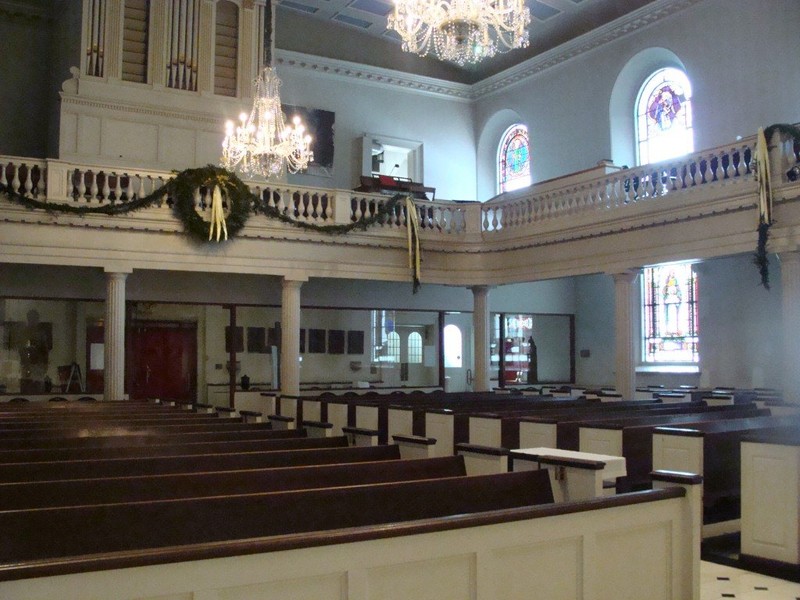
(667, 368)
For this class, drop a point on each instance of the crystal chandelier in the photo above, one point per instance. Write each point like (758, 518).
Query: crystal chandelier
(461, 31)
(263, 144)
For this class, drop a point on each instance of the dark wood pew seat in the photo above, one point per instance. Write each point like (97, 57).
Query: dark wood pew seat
(43, 494)
(61, 533)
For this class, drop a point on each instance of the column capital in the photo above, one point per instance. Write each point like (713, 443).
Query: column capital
(480, 289)
(626, 276)
(117, 270)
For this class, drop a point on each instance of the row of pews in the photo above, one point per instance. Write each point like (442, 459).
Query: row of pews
(701, 434)
(137, 500)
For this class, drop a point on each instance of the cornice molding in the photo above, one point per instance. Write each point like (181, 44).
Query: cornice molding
(381, 77)
(370, 75)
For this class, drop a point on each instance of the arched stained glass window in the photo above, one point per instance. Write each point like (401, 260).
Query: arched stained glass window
(414, 348)
(664, 117)
(669, 324)
(393, 347)
(514, 159)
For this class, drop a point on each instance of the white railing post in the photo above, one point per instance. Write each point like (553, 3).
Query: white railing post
(341, 207)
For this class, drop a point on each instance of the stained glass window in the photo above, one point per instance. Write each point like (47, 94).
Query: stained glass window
(669, 324)
(664, 117)
(514, 159)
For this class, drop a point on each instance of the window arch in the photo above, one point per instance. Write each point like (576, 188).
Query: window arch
(393, 347)
(669, 314)
(414, 348)
(664, 117)
(514, 159)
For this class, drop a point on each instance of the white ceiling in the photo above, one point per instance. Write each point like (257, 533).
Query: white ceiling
(553, 22)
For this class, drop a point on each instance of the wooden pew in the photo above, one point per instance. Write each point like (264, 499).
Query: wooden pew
(263, 455)
(150, 446)
(633, 440)
(44, 494)
(52, 533)
(712, 449)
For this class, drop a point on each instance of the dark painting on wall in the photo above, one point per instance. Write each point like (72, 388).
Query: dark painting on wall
(355, 342)
(320, 126)
(316, 341)
(336, 341)
(256, 340)
(302, 341)
(274, 335)
(238, 341)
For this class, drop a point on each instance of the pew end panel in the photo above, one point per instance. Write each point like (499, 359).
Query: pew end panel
(601, 440)
(485, 430)
(318, 429)
(483, 460)
(537, 434)
(414, 446)
(400, 421)
(282, 421)
(440, 426)
(769, 522)
(678, 449)
(360, 436)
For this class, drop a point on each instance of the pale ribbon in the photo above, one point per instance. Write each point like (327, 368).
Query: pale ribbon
(217, 216)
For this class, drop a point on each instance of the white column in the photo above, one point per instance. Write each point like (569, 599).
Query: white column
(114, 336)
(290, 337)
(480, 327)
(624, 314)
(790, 299)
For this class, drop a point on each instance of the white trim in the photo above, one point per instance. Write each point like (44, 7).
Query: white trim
(668, 368)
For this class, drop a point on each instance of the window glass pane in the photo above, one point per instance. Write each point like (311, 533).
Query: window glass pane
(452, 346)
(669, 307)
(414, 348)
(664, 117)
(392, 347)
(514, 160)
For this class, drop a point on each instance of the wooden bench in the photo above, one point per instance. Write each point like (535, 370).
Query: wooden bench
(633, 439)
(262, 455)
(148, 446)
(509, 551)
(51, 534)
(43, 494)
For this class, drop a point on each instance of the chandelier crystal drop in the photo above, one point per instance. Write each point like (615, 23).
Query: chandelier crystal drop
(461, 31)
(263, 144)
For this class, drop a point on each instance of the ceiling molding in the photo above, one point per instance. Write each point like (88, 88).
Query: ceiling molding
(376, 76)
(630, 23)
(382, 77)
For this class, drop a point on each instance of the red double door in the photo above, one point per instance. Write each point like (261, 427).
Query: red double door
(160, 360)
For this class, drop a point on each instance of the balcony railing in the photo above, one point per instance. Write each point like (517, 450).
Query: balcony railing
(606, 195)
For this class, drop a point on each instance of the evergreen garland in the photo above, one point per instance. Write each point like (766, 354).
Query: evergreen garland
(760, 257)
(241, 203)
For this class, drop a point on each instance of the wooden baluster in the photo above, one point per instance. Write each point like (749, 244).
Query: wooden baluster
(117, 186)
(129, 189)
(93, 189)
(3, 178)
(15, 182)
(82, 186)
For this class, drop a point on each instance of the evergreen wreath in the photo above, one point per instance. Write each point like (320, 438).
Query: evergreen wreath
(241, 203)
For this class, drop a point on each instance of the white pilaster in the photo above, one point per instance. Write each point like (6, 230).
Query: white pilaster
(790, 299)
(290, 337)
(480, 326)
(114, 336)
(624, 314)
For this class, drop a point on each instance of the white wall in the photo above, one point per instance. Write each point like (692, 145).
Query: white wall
(739, 324)
(444, 126)
(741, 57)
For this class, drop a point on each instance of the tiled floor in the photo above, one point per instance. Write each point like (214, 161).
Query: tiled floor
(718, 581)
